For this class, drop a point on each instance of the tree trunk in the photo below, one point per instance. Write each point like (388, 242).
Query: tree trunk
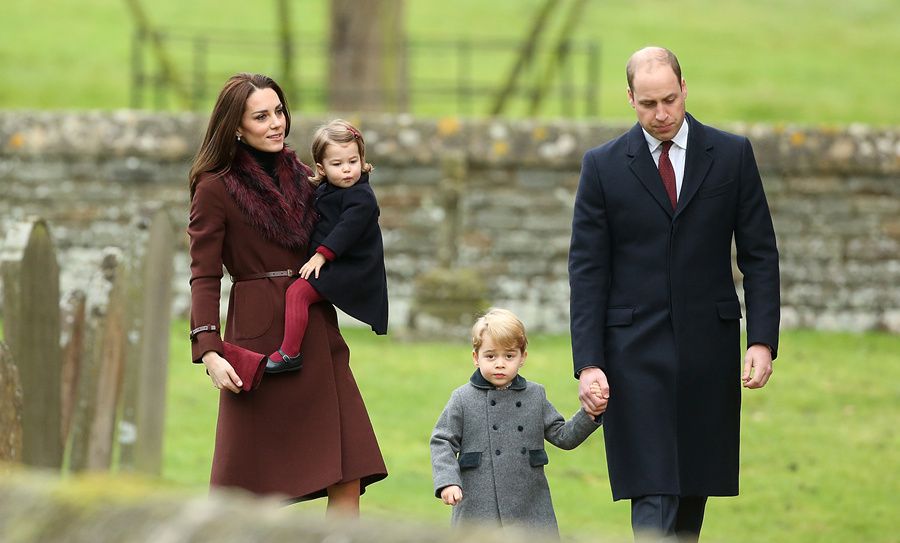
(367, 69)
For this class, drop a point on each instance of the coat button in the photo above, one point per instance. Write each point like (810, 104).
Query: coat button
(494, 427)
(493, 402)
(521, 428)
(523, 450)
(497, 452)
(518, 404)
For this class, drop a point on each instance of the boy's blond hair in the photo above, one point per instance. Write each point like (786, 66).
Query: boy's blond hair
(504, 328)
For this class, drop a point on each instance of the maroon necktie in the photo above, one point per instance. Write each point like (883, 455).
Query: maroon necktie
(667, 172)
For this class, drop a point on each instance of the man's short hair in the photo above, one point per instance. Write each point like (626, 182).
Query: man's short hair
(662, 55)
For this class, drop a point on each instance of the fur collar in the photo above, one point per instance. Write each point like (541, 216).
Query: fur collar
(285, 216)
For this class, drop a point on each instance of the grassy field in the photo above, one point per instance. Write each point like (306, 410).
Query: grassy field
(820, 448)
(828, 62)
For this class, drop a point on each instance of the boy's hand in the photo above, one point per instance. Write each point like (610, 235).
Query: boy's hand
(598, 393)
(313, 265)
(590, 401)
(451, 495)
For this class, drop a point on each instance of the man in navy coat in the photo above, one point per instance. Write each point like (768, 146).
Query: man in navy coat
(655, 318)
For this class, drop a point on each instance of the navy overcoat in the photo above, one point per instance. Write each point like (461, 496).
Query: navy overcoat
(355, 281)
(653, 304)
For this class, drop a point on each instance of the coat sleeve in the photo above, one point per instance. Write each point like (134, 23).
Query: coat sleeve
(446, 440)
(757, 256)
(589, 269)
(567, 434)
(206, 229)
(359, 210)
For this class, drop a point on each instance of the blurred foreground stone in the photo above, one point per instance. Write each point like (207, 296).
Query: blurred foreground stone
(36, 507)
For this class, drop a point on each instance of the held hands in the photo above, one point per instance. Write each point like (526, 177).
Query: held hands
(221, 372)
(757, 366)
(451, 495)
(313, 265)
(593, 391)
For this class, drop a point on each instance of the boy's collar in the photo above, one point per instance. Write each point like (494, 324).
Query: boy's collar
(478, 381)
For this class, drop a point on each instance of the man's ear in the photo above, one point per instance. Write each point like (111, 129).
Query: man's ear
(683, 89)
(630, 96)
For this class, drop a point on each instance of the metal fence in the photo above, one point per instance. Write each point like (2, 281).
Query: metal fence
(461, 77)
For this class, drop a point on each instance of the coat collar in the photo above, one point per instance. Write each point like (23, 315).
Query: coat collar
(327, 188)
(478, 381)
(282, 212)
(697, 164)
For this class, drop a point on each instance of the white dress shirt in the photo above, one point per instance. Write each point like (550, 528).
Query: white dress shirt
(677, 152)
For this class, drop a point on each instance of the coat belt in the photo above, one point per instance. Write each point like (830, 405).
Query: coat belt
(265, 275)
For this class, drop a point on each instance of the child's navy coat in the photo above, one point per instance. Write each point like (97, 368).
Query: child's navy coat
(355, 281)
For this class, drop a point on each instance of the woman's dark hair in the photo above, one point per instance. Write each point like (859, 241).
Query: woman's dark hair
(220, 142)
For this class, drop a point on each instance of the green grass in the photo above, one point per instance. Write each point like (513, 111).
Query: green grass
(820, 448)
(830, 61)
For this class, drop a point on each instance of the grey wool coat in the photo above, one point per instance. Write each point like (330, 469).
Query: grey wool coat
(490, 443)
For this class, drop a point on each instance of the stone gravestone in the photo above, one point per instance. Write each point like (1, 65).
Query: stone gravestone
(102, 366)
(73, 318)
(150, 306)
(10, 408)
(32, 323)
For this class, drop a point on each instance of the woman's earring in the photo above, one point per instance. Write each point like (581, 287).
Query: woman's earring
(239, 137)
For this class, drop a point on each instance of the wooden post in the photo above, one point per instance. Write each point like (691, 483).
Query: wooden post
(10, 408)
(453, 167)
(142, 425)
(31, 320)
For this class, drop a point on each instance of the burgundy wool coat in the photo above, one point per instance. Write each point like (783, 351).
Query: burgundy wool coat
(297, 433)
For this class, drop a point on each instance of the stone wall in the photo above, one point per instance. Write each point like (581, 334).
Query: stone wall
(40, 508)
(491, 196)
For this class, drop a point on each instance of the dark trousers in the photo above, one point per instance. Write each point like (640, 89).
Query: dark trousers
(667, 518)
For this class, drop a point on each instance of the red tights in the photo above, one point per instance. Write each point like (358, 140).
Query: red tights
(300, 295)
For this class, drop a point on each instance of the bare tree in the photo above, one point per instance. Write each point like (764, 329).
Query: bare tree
(169, 73)
(288, 68)
(526, 55)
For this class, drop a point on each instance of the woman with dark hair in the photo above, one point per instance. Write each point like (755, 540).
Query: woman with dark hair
(301, 434)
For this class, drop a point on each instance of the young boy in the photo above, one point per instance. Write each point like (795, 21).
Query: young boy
(487, 448)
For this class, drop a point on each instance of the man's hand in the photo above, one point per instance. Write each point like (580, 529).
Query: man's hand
(757, 366)
(451, 495)
(313, 265)
(592, 403)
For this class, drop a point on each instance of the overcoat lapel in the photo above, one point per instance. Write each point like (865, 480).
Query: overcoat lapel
(641, 164)
(698, 161)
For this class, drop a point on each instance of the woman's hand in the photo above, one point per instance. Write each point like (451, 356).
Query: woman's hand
(221, 372)
(313, 265)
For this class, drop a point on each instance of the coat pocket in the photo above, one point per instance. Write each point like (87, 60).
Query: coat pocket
(718, 190)
(729, 310)
(619, 316)
(253, 309)
(537, 458)
(469, 460)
